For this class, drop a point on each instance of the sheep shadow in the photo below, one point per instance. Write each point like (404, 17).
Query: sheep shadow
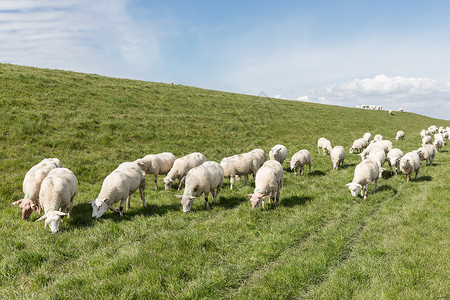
(229, 202)
(345, 166)
(421, 178)
(387, 188)
(316, 173)
(294, 201)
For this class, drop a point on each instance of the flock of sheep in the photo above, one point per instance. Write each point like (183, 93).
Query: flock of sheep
(51, 187)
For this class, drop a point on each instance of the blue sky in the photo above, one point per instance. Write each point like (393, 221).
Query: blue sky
(389, 53)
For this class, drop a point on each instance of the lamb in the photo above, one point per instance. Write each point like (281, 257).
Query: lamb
(427, 152)
(32, 186)
(268, 181)
(278, 153)
(377, 155)
(427, 140)
(386, 145)
(410, 163)
(240, 164)
(119, 185)
(181, 167)
(400, 135)
(337, 157)
(359, 145)
(367, 136)
(157, 164)
(393, 159)
(299, 160)
(206, 178)
(325, 145)
(57, 192)
(365, 172)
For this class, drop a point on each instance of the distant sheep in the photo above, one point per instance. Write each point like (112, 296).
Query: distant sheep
(377, 138)
(391, 113)
(359, 145)
(57, 192)
(393, 159)
(365, 172)
(427, 140)
(32, 186)
(367, 136)
(325, 145)
(299, 160)
(337, 155)
(268, 181)
(400, 135)
(204, 179)
(240, 164)
(278, 153)
(400, 110)
(157, 164)
(410, 163)
(438, 144)
(427, 152)
(181, 167)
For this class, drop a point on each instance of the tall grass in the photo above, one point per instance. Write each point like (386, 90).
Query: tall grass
(319, 242)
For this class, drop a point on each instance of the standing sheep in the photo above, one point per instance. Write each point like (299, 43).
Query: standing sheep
(268, 181)
(427, 140)
(32, 186)
(358, 145)
(377, 138)
(278, 153)
(181, 167)
(325, 145)
(57, 192)
(410, 163)
(204, 179)
(400, 135)
(365, 172)
(157, 164)
(386, 145)
(337, 155)
(427, 152)
(118, 186)
(240, 164)
(368, 137)
(261, 157)
(299, 160)
(377, 155)
(393, 159)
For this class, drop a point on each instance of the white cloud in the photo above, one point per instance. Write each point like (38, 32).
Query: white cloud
(420, 95)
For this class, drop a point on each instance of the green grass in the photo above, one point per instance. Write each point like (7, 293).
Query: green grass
(318, 243)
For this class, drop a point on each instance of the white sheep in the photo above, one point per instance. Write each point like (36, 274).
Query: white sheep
(438, 144)
(32, 185)
(439, 137)
(240, 164)
(365, 172)
(377, 155)
(299, 160)
(367, 136)
(204, 179)
(400, 135)
(433, 129)
(157, 164)
(57, 192)
(359, 145)
(181, 167)
(393, 159)
(386, 145)
(391, 113)
(260, 156)
(118, 186)
(400, 110)
(337, 155)
(377, 138)
(427, 152)
(268, 181)
(410, 163)
(325, 145)
(427, 140)
(278, 153)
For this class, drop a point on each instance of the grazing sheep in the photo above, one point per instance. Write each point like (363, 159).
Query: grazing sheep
(433, 129)
(377, 155)
(445, 135)
(400, 110)
(359, 145)
(325, 145)
(377, 138)
(427, 140)
(260, 155)
(337, 155)
(299, 160)
(393, 159)
(391, 113)
(181, 167)
(268, 181)
(57, 192)
(439, 137)
(400, 135)
(423, 133)
(365, 172)
(240, 164)
(278, 153)
(367, 136)
(438, 144)
(118, 186)
(410, 163)
(32, 185)
(157, 164)
(427, 152)
(386, 145)
(206, 178)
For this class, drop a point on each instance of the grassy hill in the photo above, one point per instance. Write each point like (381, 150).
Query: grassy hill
(318, 243)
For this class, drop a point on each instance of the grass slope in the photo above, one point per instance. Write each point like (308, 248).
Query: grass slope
(318, 243)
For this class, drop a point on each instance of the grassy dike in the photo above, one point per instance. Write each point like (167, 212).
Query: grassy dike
(318, 243)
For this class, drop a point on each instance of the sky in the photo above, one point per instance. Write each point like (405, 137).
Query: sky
(395, 54)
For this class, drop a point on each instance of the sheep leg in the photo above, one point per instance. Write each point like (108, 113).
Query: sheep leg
(295, 171)
(116, 210)
(215, 195)
(206, 201)
(246, 180)
(365, 192)
(309, 172)
(407, 178)
(156, 183)
(69, 214)
(141, 192)
(181, 183)
(278, 195)
(416, 174)
(231, 182)
(376, 184)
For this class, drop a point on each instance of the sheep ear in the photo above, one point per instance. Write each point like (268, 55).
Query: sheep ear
(42, 218)
(60, 213)
(104, 200)
(179, 196)
(17, 202)
(348, 184)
